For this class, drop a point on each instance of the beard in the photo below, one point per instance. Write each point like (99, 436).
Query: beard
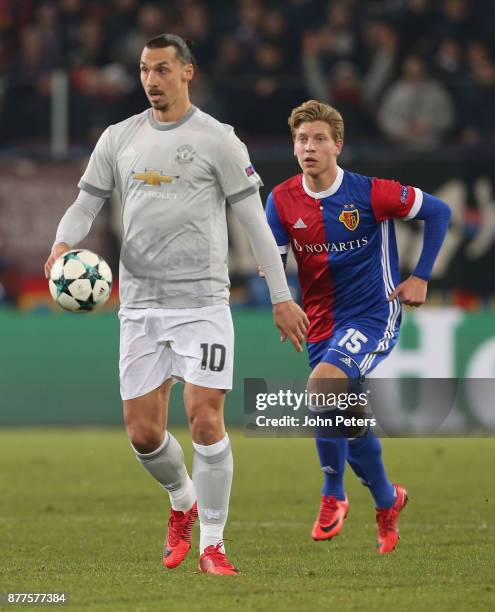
(161, 106)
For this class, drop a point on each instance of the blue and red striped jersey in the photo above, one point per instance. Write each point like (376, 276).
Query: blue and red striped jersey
(343, 240)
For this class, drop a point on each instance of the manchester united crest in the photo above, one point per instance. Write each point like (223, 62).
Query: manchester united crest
(350, 216)
(185, 154)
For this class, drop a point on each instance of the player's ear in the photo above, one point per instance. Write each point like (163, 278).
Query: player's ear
(338, 145)
(188, 72)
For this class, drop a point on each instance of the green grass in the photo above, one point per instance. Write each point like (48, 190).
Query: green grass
(79, 514)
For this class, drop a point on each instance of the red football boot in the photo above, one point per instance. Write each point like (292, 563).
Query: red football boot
(214, 561)
(387, 520)
(330, 518)
(179, 536)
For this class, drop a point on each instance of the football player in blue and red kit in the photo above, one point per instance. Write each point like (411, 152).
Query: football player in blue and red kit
(340, 226)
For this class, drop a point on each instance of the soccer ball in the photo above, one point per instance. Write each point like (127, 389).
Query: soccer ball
(80, 280)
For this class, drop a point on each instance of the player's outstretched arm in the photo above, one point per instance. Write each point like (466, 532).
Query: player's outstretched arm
(74, 225)
(289, 318)
(436, 216)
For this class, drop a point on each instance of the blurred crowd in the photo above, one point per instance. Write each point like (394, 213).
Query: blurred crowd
(416, 72)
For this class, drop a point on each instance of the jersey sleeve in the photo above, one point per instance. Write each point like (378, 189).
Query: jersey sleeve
(278, 230)
(391, 200)
(234, 169)
(98, 179)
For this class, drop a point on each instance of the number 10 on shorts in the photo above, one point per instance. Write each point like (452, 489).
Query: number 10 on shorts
(213, 357)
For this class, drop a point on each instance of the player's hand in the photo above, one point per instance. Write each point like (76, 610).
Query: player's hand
(411, 292)
(58, 249)
(292, 322)
(261, 274)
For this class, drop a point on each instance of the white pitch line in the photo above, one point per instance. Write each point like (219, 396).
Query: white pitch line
(131, 520)
(404, 525)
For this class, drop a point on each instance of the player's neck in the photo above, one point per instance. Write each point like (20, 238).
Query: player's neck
(176, 112)
(322, 181)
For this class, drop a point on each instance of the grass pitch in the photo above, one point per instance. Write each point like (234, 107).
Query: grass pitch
(79, 514)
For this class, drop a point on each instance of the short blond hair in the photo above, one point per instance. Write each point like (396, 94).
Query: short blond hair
(312, 110)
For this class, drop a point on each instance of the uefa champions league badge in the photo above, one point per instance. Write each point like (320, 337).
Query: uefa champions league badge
(185, 154)
(404, 194)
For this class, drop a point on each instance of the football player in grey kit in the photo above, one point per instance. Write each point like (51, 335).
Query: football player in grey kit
(174, 168)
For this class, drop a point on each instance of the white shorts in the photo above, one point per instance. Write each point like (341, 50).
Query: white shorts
(195, 345)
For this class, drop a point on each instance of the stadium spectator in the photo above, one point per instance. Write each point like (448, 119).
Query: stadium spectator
(456, 21)
(124, 17)
(271, 91)
(304, 41)
(274, 30)
(71, 15)
(47, 26)
(414, 24)
(416, 111)
(230, 62)
(339, 39)
(304, 14)
(250, 16)
(339, 84)
(313, 74)
(151, 20)
(197, 27)
(228, 71)
(449, 65)
(448, 61)
(204, 97)
(26, 98)
(381, 45)
(91, 50)
(480, 123)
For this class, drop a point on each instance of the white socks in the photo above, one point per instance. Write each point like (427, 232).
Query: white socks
(212, 476)
(166, 465)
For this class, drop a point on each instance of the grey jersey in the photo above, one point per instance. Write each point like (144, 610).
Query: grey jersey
(173, 181)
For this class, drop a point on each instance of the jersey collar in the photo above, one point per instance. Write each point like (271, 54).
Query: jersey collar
(334, 187)
(173, 124)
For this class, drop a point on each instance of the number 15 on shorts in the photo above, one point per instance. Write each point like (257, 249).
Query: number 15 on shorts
(353, 340)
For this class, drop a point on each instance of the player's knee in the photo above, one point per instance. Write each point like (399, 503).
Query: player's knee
(320, 387)
(145, 437)
(205, 426)
(374, 444)
(367, 444)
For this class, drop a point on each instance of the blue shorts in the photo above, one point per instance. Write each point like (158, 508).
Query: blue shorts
(356, 347)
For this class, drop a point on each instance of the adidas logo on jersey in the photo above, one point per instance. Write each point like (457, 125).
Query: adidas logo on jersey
(128, 151)
(299, 224)
(347, 361)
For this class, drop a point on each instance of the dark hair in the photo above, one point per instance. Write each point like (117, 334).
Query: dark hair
(183, 47)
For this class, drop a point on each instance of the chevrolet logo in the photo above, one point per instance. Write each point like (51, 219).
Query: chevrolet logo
(153, 177)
